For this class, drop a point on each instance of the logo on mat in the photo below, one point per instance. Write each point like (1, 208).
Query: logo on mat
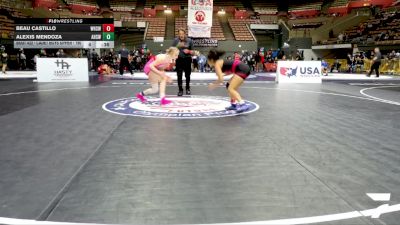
(181, 107)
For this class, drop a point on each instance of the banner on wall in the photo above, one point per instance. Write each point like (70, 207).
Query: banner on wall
(204, 42)
(200, 14)
(298, 72)
(199, 32)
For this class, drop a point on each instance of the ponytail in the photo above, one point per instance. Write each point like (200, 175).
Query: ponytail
(171, 50)
(215, 54)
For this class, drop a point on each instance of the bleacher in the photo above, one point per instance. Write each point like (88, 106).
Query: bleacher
(6, 27)
(305, 6)
(122, 5)
(339, 3)
(240, 30)
(369, 32)
(91, 3)
(155, 27)
(150, 3)
(228, 6)
(305, 9)
(307, 25)
(82, 6)
(169, 3)
(339, 7)
(216, 30)
(264, 8)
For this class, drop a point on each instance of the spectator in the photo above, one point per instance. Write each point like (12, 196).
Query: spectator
(236, 56)
(202, 62)
(43, 53)
(392, 62)
(257, 59)
(331, 33)
(251, 61)
(60, 53)
(298, 56)
(336, 65)
(260, 64)
(350, 61)
(324, 66)
(195, 62)
(22, 59)
(359, 62)
(340, 38)
(110, 58)
(4, 58)
(35, 60)
(94, 60)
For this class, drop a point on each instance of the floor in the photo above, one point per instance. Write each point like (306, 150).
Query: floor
(310, 153)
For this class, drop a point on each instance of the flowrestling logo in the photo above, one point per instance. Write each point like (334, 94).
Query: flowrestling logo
(193, 107)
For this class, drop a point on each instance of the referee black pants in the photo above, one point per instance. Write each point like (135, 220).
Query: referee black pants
(375, 66)
(183, 64)
(124, 62)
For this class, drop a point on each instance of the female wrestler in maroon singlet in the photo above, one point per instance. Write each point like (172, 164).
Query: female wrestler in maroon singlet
(240, 72)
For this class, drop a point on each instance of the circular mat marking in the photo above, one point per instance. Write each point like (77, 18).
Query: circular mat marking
(193, 107)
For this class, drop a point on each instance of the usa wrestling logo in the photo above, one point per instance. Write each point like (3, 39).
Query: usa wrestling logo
(194, 107)
(289, 72)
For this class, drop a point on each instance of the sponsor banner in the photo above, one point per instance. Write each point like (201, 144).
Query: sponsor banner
(264, 27)
(200, 14)
(335, 46)
(205, 42)
(194, 107)
(158, 39)
(199, 32)
(299, 72)
(62, 70)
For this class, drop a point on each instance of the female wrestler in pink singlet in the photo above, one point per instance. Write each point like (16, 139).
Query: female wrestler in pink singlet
(155, 69)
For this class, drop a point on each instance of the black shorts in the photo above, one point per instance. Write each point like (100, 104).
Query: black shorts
(243, 70)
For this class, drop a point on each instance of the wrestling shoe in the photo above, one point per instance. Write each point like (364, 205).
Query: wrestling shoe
(232, 107)
(242, 108)
(165, 101)
(141, 97)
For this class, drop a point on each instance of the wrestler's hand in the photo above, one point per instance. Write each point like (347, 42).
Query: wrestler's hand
(212, 86)
(169, 79)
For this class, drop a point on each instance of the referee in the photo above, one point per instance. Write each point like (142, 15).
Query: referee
(376, 62)
(184, 60)
(123, 55)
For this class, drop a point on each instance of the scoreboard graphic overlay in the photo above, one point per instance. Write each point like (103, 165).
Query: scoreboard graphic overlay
(64, 33)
